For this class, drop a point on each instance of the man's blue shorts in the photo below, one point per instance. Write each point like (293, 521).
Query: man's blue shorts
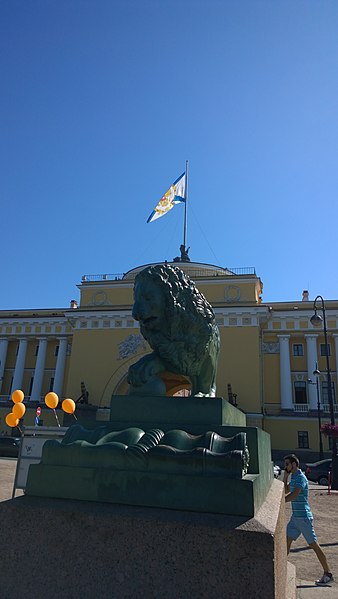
(301, 526)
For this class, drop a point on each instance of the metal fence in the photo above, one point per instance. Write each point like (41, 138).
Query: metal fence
(193, 272)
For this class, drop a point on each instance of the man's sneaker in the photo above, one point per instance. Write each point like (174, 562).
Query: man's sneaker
(324, 580)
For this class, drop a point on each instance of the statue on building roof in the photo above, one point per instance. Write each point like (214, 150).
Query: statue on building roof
(184, 254)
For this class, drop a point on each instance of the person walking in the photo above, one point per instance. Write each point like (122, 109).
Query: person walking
(301, 521)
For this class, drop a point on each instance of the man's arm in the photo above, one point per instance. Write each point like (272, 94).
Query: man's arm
(293, 495)
(285, 481)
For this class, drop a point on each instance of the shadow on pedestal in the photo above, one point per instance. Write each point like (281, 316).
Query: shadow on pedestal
(84, 549)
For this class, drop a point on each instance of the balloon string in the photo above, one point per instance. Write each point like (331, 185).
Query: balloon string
(55, 414)
(74, 416)
(17, 426)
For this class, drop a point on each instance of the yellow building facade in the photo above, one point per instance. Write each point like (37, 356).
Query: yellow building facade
(268, 352)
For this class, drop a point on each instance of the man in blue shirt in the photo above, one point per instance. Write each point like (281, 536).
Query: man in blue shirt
(301, 521)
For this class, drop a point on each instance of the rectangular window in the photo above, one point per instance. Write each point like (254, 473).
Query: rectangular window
(56, 351)
(325, 394)
(298, 349)
(36, 350)
(300, 392)
(303, 440)
(51, 383)
(323, 349)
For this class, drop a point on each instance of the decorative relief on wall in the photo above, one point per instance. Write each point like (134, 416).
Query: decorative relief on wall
(232, 293)
(270, 348)
(232, 321)
(131, 345)
(100, 298)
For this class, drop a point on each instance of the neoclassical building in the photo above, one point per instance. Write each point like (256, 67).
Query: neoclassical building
(269, 352)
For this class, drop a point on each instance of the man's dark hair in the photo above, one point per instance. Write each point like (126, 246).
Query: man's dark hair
(292, 459)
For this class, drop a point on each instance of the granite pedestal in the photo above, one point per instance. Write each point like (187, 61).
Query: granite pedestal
(71, 549)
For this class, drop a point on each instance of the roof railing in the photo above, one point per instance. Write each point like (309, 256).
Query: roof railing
(245, 270)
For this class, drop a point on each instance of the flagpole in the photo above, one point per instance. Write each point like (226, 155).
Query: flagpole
(185, 205)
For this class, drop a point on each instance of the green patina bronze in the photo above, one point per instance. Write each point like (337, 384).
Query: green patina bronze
(176, 466)
(187, 453)
(173, 412)
(154, 468)
(133, 449)
(179, 325)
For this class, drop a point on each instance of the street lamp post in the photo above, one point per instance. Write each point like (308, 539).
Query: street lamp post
(317, 321)
(317, 374)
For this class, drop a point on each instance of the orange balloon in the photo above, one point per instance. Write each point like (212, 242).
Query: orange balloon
(68, 406)
(12, 420)
(51, 400)
(17, 396)
(19, 410)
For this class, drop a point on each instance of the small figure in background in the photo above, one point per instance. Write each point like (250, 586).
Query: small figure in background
(184, 253)
(84, 394)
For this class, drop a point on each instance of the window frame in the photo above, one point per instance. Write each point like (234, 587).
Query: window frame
(300, 385)
(303, 439)
(324, 392)
(298, 345)
(323, 351)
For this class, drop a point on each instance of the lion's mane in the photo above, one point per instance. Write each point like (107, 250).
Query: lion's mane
(190, 331)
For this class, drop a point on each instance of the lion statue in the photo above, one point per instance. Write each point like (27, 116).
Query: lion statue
(180, 327)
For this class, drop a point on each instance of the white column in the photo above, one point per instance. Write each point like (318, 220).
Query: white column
(336, 348)
(60, 366)
(39, 370)
(285, 373)
(312, 359)
(20, 365)
(3, 355)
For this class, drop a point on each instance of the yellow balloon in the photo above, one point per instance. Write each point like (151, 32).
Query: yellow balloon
(68, 406)
(17, 396)
(51, 400)
(19, 410)
(12, 420)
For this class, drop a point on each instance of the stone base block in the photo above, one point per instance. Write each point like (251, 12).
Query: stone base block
(195, 493)
(64, 548)
(173, 412)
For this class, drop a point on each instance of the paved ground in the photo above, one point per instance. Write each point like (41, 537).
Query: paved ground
(325, 511)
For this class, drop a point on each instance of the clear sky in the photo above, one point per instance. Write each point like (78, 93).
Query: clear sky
(102, 101)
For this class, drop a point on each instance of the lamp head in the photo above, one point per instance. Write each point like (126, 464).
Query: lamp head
(316, 372)
(316, 320)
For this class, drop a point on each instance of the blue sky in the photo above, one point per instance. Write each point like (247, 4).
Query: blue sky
(102, 101)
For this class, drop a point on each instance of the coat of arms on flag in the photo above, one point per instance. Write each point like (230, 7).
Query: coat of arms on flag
(174, 195)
